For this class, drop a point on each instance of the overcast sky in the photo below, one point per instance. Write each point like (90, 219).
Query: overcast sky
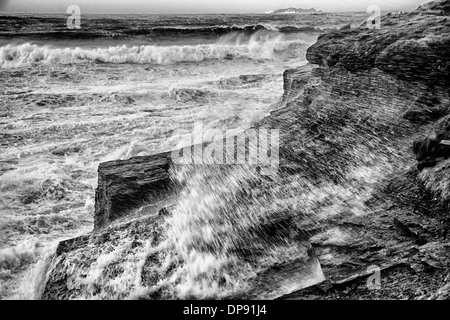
(199, 6)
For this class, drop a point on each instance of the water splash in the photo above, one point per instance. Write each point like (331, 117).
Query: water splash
(13, 56)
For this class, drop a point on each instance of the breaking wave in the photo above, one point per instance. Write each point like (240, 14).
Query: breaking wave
(231, 46)
(117, 30)
(223, 29)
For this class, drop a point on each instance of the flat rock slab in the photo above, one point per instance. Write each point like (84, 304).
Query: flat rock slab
(130, 184)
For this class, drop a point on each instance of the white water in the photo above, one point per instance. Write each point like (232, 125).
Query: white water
(261, 45)
(100, 112)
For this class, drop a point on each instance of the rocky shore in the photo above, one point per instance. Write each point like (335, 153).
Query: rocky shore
(365, 153)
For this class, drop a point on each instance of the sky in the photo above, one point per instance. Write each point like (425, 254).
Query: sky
(199, 6)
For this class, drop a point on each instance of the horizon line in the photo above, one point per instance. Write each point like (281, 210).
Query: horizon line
(191, 13)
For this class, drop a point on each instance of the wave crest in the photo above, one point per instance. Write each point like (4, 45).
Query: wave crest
(232, 46)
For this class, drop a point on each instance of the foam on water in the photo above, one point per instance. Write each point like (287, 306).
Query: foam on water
(32, 284)
(47, 189)
(67, 106)
(258, 46)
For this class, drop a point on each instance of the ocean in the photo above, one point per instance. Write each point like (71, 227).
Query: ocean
(119, 87)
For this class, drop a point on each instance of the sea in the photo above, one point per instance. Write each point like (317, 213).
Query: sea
(121, 86)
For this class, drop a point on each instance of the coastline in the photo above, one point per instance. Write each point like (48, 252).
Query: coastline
(349, 121)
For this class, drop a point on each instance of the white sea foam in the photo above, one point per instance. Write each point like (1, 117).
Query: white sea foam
(261, 45)
(33, 282)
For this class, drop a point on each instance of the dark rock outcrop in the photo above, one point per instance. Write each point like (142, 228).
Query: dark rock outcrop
(294, 82)
(129, 184)
(429, 151)
(75, 257)
(295, 10)
(413, 46)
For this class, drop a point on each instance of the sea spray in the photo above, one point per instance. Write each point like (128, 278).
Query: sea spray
(13, 56)
(74, 99)
(32, 284)
(226, 227)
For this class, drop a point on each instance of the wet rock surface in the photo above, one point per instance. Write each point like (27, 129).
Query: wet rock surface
(126, 185)
(362, 146)
(412, 46)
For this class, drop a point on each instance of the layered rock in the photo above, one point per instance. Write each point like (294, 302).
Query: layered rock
(126, 185)
(414, 46)
(430, 151)
(350, 190)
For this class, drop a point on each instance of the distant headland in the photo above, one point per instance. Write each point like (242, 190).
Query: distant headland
(295, 10)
